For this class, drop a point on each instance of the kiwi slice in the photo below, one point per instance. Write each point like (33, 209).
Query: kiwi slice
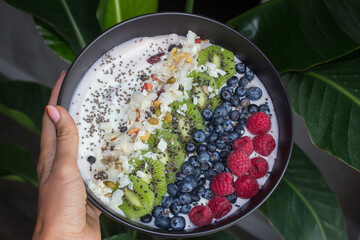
(173, 156)
(138, 201)
(154, 176)
(223, 58)
(202, 83)
(186, 119)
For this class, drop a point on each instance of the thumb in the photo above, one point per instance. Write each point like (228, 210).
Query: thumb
(67, 139)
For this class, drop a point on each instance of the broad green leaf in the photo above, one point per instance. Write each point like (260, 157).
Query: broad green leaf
(327, 97)
(15, 164)
(74, 20)
(297, 34)
(54, 40)
(24, 102)
(122, 236)
(222, 235)
(111, 12)
(303, 206)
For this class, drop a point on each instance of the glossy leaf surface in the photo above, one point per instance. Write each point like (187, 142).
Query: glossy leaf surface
(300, 34)
(303, 206)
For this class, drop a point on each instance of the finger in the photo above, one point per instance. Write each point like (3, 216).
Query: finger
(66, 140)
(48, 135)
(92, 211)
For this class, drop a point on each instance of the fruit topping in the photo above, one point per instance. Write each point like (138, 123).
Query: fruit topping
(223, 184)
(201, 216)
(258, 123)
(264, 144)
(220, 206)
(238, 163)
(259, 167)
(244, 144)
(246, 187)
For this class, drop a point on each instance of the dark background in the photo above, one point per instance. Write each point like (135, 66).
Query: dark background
(25, 56)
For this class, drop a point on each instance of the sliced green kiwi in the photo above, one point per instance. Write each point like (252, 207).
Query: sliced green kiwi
(173, 156)
(154, 176)
(223, 58)
(202, 83)
(185, 122)
(138, 201)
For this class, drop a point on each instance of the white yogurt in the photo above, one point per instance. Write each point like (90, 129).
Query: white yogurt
(102, 102)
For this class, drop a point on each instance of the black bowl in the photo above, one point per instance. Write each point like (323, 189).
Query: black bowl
(220, 34)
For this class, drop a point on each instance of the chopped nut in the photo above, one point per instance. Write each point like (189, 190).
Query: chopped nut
(174, 50)
(179, 56)
(158, 112)
(172, 68)
(156, 103)
(137, 115)
(109, 184)
(171, 80)
(145, 137)
(168, 117)
(153, 121)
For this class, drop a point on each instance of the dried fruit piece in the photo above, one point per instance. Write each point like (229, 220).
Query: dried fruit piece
(145, 137)
(155, 58)
(134, 130)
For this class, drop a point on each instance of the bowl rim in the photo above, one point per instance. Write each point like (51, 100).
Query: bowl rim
(182, 234)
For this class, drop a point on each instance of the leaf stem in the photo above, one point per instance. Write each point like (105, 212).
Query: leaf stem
(189, 6)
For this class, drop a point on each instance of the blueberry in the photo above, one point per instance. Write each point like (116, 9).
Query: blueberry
(163, 222)
(226, 105)
(190, 147)
(186, 185)
(226, 88)
(220, 144)
(235, 101)
(220, 111)
(185, 198)
(201, 148)
(264, 108)
(232, 81)
(232, 198)
(91, 159)
(227, 125)
(217, 120)
(216, 156)
(176, 202)
(185, 209)
(193, 161)
(208, 194)
(199, 136)
(239, 130)
(242, 121)
(254, 93)
(249, 75)
(180, 176)
(201, 181)
(244, 102)
(171, 46)
(224, 153)
(253, 108)
(243, 82)
(225, 96)
(177, 223)
(197, 172)
(157, 211)
(219, 129)
(175, 209)
(245, 112)
(212, 137)
(200, 190)
(204, 166)
(218, 167)
(234, 115)
(167, 201)
(240, 91)
(146, 219)
(225, 138)
(233, 135)
(240, 68)
(211, 147)
(207, 114)
(195, 198)
(209, 174)
(203, 157)
(209, 127)
(187, 168)
(172, 189)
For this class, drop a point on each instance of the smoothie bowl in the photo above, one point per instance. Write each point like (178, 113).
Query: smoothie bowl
(185, 126)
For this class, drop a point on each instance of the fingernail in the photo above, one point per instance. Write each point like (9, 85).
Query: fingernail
(53, 113)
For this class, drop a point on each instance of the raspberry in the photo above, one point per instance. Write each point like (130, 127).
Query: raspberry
(258, 123)
(246, 187)
(223, 184)
(200, 215)
(155, 58)
(264, 144)
(244, 144)
(238, 163)
(220, 206)
(259, 167)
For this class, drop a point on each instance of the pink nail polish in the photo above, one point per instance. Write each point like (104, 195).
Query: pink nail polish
(53, 113)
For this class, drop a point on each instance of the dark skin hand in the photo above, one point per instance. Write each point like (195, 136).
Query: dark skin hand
(63, 210)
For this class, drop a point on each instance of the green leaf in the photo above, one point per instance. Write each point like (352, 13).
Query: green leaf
(327, 97)
(15, 164)
(122, 236)
(303, 206)
(74, 20)
(54, 40)
(111, 12)
(222, 235)
(300, 34)
(24, 102)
